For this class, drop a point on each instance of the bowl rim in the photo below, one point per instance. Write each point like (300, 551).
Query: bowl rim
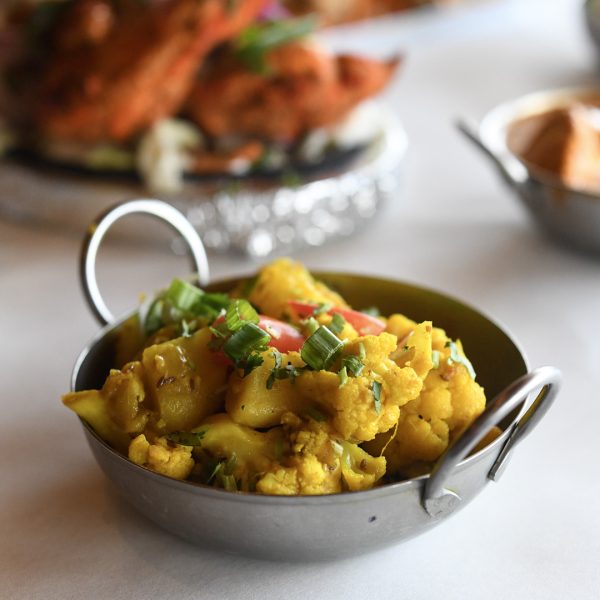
(494, 125)
(317, 499)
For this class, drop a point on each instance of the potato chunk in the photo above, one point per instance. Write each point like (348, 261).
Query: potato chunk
(182, 380)
(249, 402)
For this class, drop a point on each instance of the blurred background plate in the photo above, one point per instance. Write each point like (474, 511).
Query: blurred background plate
(254, 217)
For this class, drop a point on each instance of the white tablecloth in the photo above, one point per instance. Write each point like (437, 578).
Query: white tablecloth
(533, 535)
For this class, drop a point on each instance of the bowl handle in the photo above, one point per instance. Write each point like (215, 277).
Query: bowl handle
(511, 170)
(100, 226)
(437, 500)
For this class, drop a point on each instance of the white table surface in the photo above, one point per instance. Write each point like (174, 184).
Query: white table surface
(535, 534)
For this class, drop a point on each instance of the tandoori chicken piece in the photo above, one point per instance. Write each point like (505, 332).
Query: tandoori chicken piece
(117, 66)
(300, 88)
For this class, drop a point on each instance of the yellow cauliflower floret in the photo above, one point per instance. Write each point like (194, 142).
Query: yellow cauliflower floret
(248, 452)
(160, 457)
(319, 464)
(449, 401)
(360, 470)
(468, 399)
(284, 280)
(417, 350)
(356, 413)
(307, 477)
(400, 326)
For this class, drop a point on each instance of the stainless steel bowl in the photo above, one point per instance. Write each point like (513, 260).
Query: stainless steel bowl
(307, 528)
(592, 20)
(568, 215)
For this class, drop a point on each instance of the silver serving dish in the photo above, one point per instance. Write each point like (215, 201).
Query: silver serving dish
(253, 216)
(310, 528)
(592, 20)
(568, 215)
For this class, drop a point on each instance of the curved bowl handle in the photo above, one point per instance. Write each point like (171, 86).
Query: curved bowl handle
(438, 501)
(511, 170)
(98, 229)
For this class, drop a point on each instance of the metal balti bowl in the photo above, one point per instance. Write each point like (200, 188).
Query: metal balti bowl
(571, 216)
(307, 528)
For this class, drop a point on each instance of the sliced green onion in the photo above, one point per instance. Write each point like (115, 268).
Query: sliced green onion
(187, 438)
(183, 295)
(312, 325)
(321, 348)
(362, 353)
(376, 389)
(230, 464)
(246, 340)
(321, 308)
(337, 323)
(218, 302)
(456, 357)
(229, 483)
(435, 358)
(239, 313)
(275, 369)
(353, 365)
(343, 375)
(372, 311)
(154, 317)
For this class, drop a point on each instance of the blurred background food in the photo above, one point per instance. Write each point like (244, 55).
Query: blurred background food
(340, 11)
(167, 87)
(562, 143)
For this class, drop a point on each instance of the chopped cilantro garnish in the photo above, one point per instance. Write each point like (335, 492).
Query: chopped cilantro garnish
(353, 365)
(362, 353)
(343, 375)
(376, 389)
(456, 357)
(337, 323)
(187, 438)
(321, 308)
(255, 42)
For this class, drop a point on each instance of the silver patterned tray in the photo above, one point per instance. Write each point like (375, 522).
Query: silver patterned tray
(249, 216)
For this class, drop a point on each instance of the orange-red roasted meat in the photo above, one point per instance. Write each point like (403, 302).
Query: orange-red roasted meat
(119, 65)
(303, 88)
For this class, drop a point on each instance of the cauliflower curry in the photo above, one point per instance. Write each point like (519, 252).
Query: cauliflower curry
(281, 388)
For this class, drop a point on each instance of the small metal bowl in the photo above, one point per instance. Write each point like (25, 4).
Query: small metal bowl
(569, 215)
(308, 528)
(592, 20)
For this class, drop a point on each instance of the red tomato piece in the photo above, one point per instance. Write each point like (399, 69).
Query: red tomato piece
(363, 323)
(284, 337)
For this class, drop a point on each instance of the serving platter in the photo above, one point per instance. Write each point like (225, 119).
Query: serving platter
(254, 216)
